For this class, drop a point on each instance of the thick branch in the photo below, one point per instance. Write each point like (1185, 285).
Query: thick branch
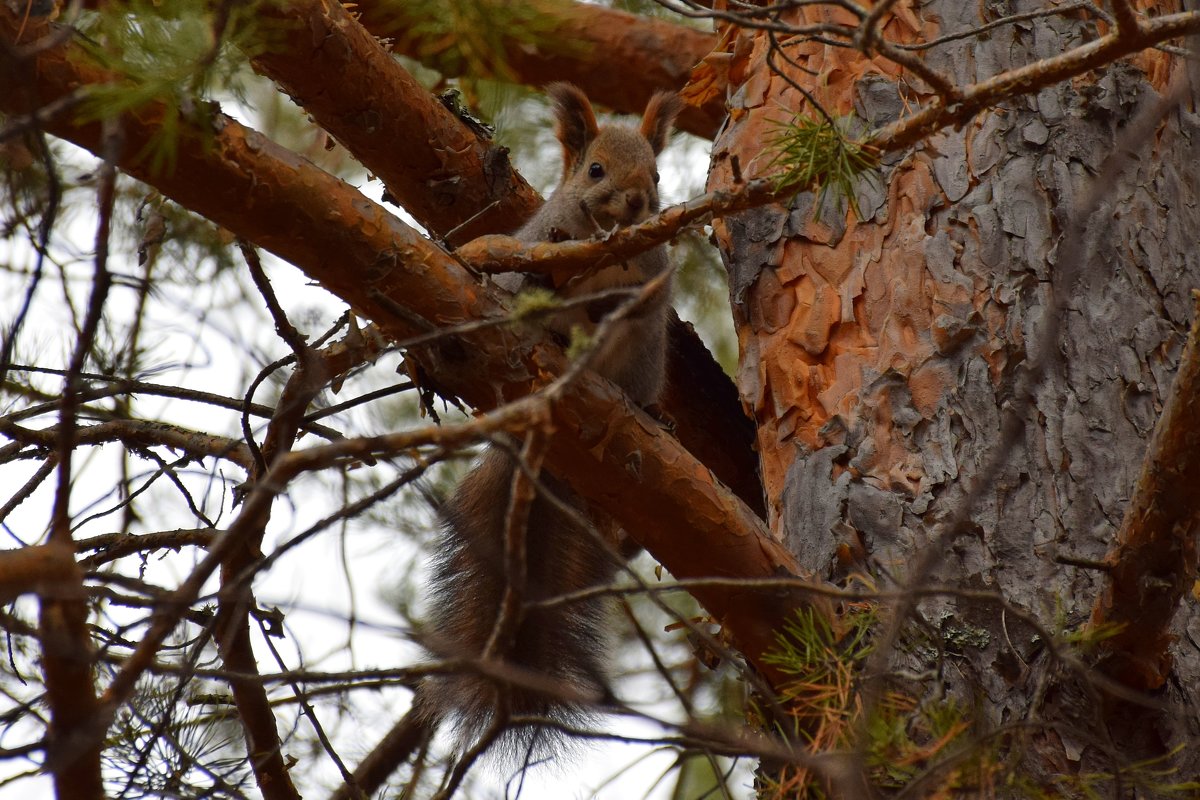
(619, 59)
(393, 750)
(1154, 564)
(1127, 17)
(236, 599)
(447, 175)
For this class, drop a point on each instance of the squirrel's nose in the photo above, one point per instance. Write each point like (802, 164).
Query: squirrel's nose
(635, 201)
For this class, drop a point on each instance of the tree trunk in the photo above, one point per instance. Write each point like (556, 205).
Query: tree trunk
(881, 357)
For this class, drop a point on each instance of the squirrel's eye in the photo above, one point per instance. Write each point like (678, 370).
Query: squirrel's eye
(596, 171)
(656, 176)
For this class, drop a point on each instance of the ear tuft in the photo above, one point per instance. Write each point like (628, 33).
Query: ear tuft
(660, 114)
(576, 126)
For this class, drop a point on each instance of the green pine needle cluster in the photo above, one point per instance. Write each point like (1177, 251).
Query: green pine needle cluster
(175, 52)
(1153, 777)
(195, 753)
(471, 38)
(902, 738)
(808, 649)
(813, 153)
(917, 741)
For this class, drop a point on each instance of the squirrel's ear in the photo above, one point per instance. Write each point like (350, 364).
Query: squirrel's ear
(660, 114)
(576, 122)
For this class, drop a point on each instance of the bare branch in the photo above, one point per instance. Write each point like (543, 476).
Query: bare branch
(116, 385)
(136, 433)
(236, 600)
(66, 645)
(1032, 77)
(393, 750)
(118, 545)
(493, 254)
(29, 487)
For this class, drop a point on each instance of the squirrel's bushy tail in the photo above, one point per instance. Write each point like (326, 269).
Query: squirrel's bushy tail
(561, 650)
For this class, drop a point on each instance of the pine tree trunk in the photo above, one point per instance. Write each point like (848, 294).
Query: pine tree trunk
(881, 357)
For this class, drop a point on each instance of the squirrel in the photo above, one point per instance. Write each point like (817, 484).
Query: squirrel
(609, 179)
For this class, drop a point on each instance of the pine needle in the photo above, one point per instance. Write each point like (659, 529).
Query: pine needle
(811, 153)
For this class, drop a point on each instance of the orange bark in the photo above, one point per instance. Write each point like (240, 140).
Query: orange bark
(821, 317)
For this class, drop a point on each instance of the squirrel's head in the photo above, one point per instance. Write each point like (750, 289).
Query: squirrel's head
(610, 171)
